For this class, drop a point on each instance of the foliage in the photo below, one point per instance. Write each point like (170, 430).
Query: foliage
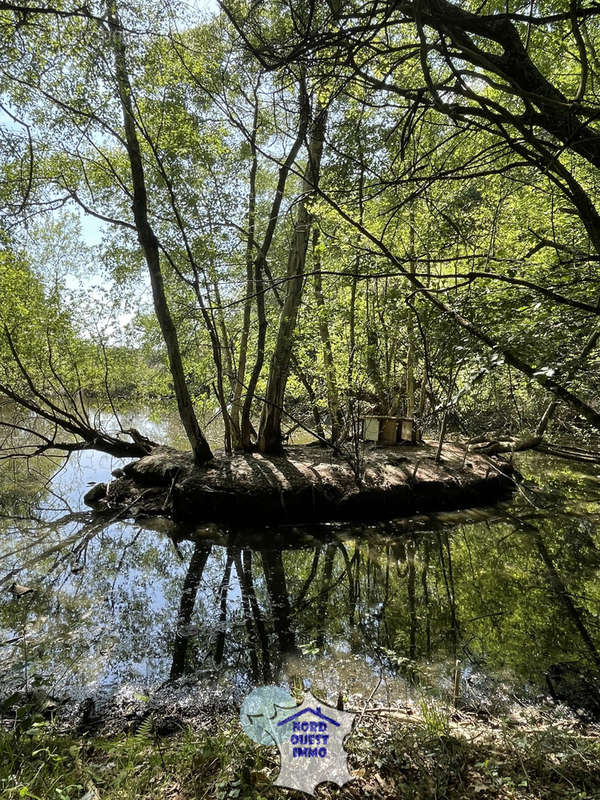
(389, 757)
(456, 259)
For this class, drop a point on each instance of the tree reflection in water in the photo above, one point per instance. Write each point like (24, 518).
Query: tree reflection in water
(513, 593)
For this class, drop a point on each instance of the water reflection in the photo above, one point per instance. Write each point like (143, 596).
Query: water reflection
(512, 594)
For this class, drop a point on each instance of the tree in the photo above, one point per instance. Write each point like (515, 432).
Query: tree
(150, 245)
(484, 80)
(269, 436)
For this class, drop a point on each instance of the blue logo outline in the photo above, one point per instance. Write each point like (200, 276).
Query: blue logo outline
(317, 712)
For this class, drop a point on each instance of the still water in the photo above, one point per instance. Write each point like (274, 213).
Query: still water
(512, 593)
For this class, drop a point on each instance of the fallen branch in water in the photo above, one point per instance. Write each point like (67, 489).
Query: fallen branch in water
(571, 452)
(492, 447)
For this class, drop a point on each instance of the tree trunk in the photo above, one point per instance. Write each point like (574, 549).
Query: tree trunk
(236, 406)
(333, 399)
(150, 247)
(251, 636)
(324, 594)
(260, 264)
(223, 589)
(411, 597)
(269, 436)
(410, 328)
(256, 614)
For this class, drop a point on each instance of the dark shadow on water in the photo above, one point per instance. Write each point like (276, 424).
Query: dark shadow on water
(511, 593)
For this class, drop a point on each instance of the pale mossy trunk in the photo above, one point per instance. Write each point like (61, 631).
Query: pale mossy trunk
(269, 435)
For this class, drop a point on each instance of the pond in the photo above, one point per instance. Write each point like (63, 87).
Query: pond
(502, 602)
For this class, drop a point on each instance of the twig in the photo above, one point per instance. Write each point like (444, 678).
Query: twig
(362, 713)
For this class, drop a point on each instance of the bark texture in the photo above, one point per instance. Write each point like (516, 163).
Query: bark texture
(269, 435)
(150, 246)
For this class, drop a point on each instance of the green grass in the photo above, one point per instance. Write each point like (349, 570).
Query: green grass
(430, 754)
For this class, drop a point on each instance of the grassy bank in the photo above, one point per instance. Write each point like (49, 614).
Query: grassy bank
(431, 753)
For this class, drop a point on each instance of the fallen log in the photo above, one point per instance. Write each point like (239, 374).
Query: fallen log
(495, 447)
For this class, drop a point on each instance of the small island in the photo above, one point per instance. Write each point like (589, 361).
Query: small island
(305, 484)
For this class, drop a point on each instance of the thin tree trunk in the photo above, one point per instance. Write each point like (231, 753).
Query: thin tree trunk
(150, 248)
(449, 584)
(257, 615)
(352, 324)
(411, 592)
(260, 264)
(217, 346)
(269, 435)
(236, 406)
(222, 340)
(333, 398)
(372, 360)
(410, 328)
(279, 599)
(208, 316)
(426, 600)
(354, 285)
(323, 595)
